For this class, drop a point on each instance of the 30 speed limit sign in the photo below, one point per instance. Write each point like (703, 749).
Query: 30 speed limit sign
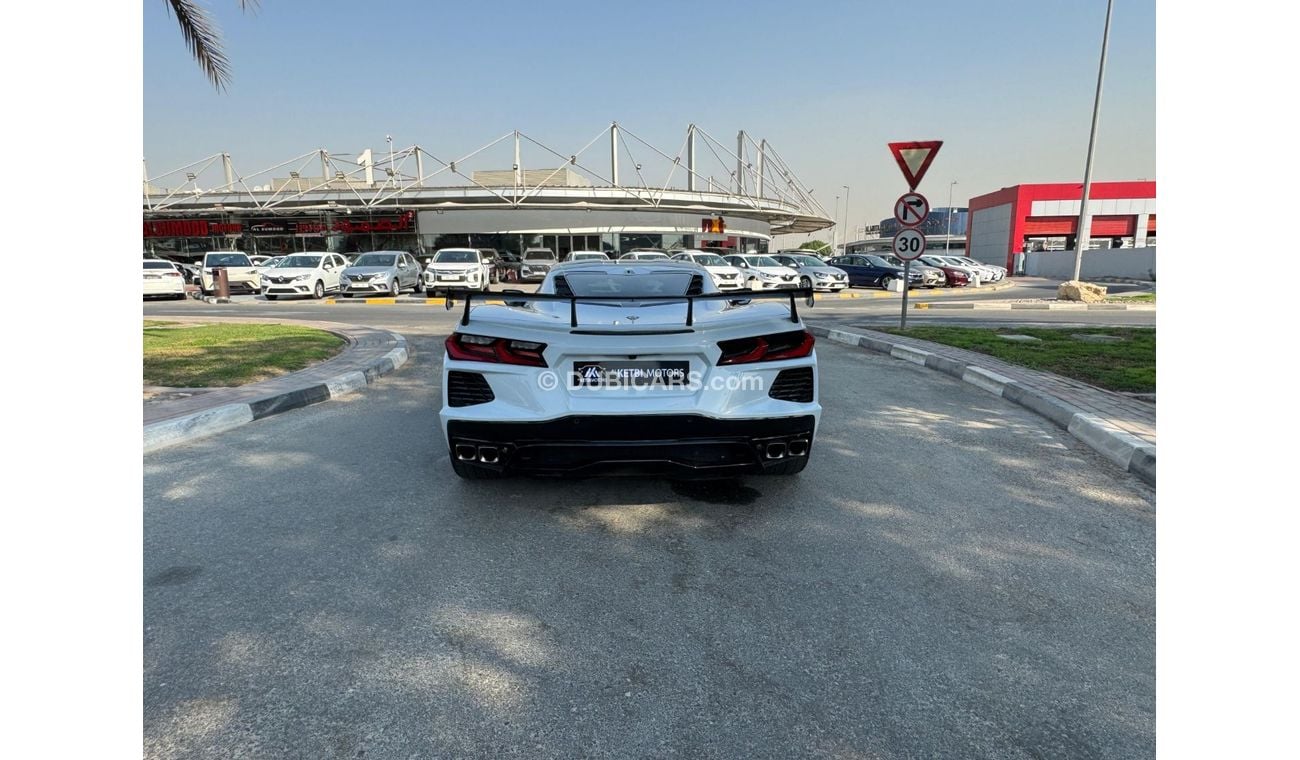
(909, 244)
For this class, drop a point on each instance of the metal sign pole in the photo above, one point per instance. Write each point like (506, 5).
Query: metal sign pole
(907, 271)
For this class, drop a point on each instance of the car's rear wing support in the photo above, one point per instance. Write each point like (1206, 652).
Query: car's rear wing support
(519, 299)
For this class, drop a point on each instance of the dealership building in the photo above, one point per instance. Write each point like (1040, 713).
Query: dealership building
(1046, 217)
(629, 194)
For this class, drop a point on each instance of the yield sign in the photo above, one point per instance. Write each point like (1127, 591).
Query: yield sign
(914, 159)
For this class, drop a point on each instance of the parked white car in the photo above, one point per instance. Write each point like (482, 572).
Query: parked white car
(725, 276)
(304, 274)
(588, 256)
(935, 260)
(997, 272)
(645, 366)
(163, 278)
(644, 255)
(457, 269)
(764, 272)
(241, 275)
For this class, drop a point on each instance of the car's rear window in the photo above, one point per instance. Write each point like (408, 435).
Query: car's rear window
(226, 260)
(375, 260)
(538, 256)
(639, 285)
(157, 265)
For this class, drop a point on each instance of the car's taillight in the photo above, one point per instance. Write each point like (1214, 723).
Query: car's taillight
(767, 348)
(172, 274)
(481, 348)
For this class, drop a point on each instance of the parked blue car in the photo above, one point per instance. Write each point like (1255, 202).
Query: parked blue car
(868, 270)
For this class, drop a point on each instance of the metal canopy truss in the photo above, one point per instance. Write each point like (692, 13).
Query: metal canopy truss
(412, 178)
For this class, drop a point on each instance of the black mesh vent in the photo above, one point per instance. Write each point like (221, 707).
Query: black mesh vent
(793, 385)
(696, 287)
(467, 389)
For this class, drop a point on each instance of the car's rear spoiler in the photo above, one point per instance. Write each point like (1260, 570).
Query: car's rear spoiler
(518, 299)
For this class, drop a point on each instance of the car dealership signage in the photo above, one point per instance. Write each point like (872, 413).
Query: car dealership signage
(338, 225)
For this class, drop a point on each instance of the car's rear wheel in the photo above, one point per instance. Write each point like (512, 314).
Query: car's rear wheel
(319, 291)
(470, 471)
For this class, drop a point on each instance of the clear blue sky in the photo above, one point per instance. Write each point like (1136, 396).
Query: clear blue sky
(1008, 85)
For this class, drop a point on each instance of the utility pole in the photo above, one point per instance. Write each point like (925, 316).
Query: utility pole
(948, 237)
(1082, 238)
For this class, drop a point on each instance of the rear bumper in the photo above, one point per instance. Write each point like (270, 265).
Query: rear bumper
(679, 445)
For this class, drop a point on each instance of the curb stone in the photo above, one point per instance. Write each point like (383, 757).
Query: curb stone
(219, 419)
(1128, 451)
(1038, 306)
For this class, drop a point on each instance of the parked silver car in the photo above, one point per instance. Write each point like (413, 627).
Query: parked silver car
(813, 272)
(382, 272)
(931, 277)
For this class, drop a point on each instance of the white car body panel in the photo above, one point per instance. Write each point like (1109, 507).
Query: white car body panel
(163, 281)
(733, 397)
(469, 275)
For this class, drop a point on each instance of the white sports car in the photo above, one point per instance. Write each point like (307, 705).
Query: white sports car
(630, 366)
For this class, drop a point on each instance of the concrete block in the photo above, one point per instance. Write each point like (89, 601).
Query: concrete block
(843, 336)
(1106, 439)
(986, 379)
(345, 383)
(913, 355)
(876, 344)
(1048, 406)
(1143, 463)
(198, 425)
(945, 365)
(295, 399)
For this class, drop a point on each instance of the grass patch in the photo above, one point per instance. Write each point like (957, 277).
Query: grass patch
(1128, 366)
(223, 355)
(157, 323)
(1139, 298)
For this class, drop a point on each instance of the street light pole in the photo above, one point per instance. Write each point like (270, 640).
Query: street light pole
(948, 236)
(835, 231)
(1081, 238)
(847, 190)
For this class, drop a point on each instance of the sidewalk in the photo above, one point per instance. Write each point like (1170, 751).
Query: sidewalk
(1120, 428)
(370, 353)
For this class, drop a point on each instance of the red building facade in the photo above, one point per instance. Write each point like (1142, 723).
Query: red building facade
(1004, 221)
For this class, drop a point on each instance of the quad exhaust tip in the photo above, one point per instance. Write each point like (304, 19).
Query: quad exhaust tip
(466, 452)
(488, 454)
(797, 448)
(775, 450)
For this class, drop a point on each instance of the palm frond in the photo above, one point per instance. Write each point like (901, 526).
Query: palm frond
(204, 39)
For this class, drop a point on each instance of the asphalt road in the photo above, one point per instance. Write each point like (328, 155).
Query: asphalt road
(868, 312)
(952, 576)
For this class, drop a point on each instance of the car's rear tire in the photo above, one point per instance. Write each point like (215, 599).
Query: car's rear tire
(470, 471)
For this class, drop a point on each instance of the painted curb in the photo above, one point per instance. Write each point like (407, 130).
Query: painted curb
(1128, 451)
(1039, 306)
(222, 418)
